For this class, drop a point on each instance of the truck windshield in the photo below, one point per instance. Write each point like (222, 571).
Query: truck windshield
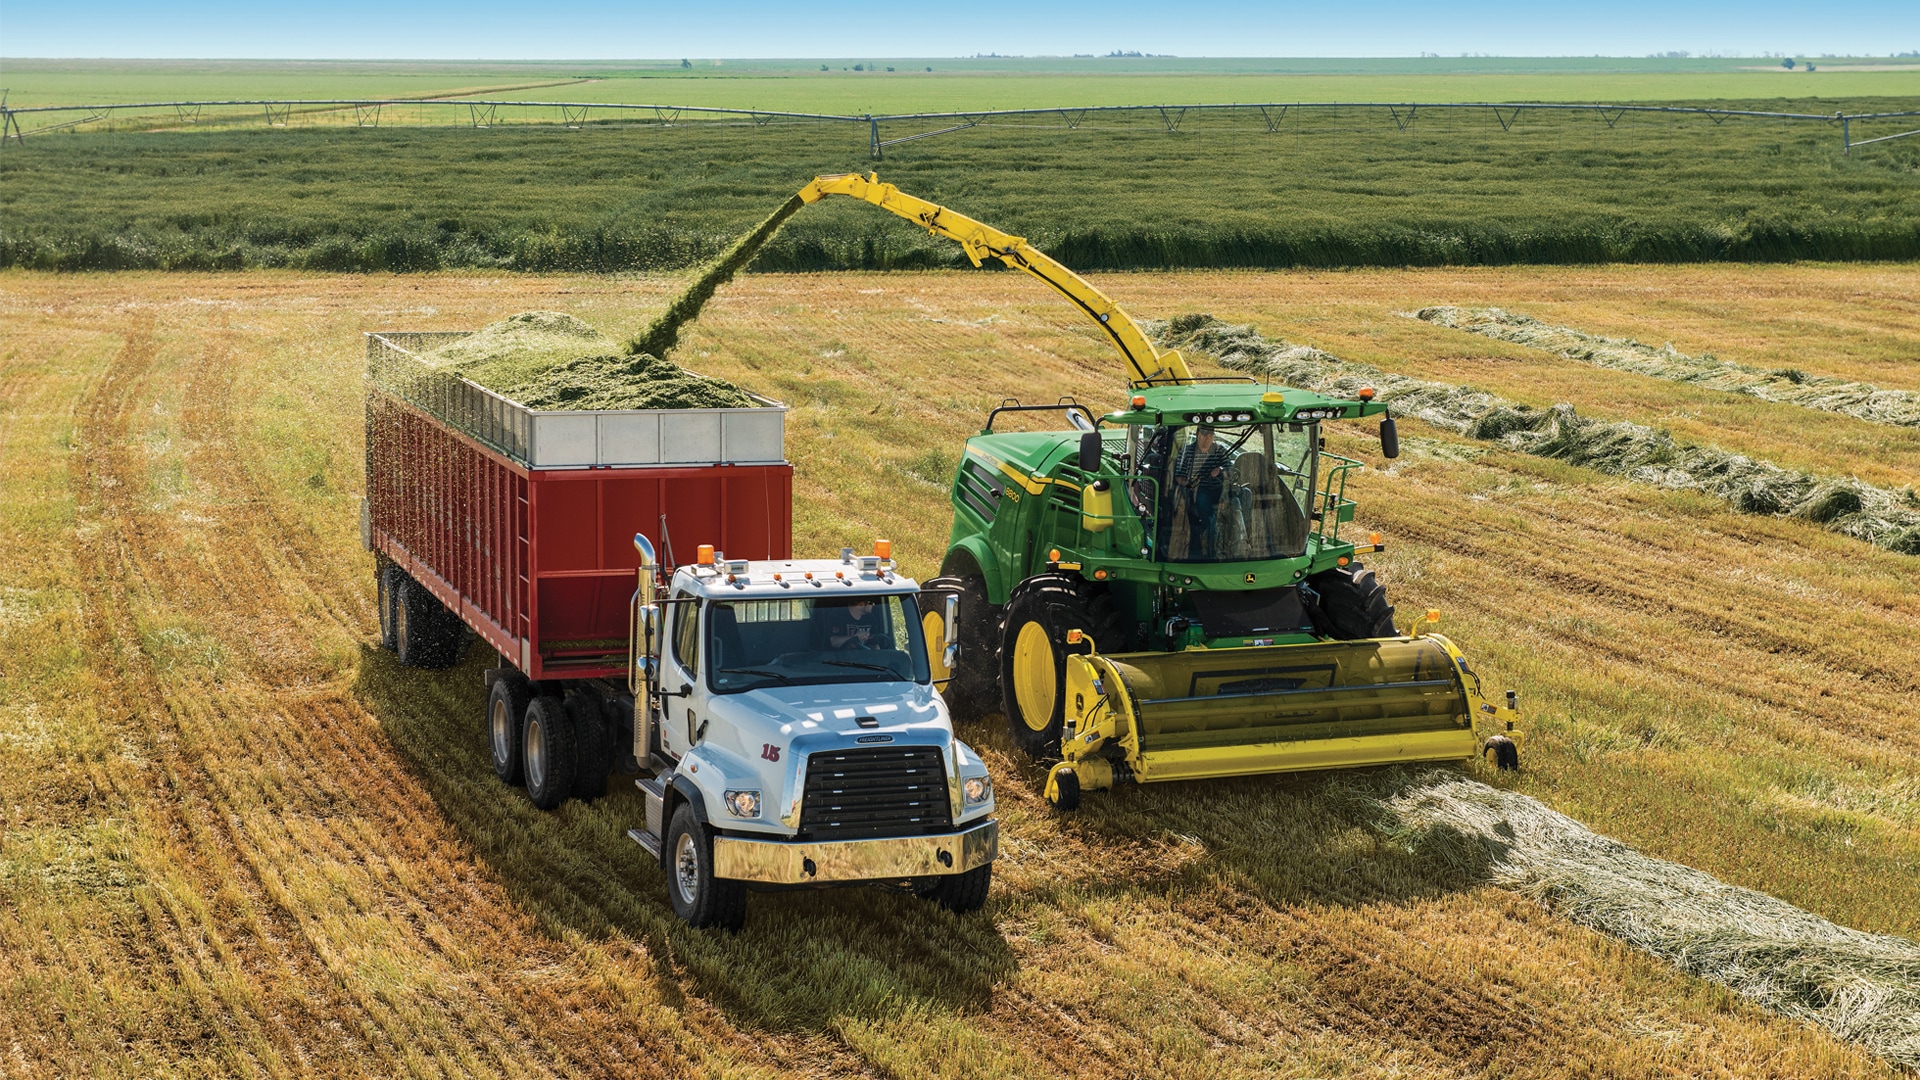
(814, 639)
(1227, 493)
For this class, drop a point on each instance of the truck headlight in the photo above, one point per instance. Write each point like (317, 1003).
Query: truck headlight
(978, 789)
(743, 803)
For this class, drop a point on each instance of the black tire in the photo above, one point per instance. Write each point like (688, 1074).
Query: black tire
(426, 634)
(1353, 604)
(1051, 605)
(699, 898)
(1502, 754)
(506, 710)
(962, 892)
(974, 691)
(386, 587)
(593, 745)
(547, 749)
(1068, 784)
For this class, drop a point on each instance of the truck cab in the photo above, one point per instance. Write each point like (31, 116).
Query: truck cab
(797, 738)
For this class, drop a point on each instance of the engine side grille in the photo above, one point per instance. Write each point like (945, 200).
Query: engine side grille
(873, 792)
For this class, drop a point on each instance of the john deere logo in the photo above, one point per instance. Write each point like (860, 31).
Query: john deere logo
(1249, 579)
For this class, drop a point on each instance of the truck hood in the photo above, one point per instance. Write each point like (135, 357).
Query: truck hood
(837, 708)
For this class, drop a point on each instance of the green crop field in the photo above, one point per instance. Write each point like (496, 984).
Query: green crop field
(1337, 188)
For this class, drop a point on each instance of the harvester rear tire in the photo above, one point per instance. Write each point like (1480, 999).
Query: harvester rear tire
(1353, 604)
(547, 745)
(963, 892)
(699, 898)
(593, 745)
(506, 709)
(974, 691)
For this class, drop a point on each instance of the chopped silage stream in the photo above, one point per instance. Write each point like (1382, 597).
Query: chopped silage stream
(1887, 519)
(1862, 987)
(1788, 386)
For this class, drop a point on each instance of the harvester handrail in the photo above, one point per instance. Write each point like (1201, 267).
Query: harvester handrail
(1146, 365)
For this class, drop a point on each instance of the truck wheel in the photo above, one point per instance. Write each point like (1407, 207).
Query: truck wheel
(1353, 604)
(1033, 663)
(386, 586)
(426, 634)
(506, 708)
(547, 741)
(593, 746)
(961, 893)
(974, 690)
(697, 896)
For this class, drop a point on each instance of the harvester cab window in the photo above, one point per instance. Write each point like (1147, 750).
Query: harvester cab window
(814, 639)
(1231, 493)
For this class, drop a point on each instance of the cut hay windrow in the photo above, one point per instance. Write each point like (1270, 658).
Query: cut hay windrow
(1862, 987)
(1888, 519)
(1786, 386)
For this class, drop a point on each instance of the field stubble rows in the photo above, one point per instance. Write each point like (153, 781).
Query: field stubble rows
(240, 840)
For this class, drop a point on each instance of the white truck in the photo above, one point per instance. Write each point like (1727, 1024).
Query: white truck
(788, 712)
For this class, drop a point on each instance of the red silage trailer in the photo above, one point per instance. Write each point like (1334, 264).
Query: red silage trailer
(519, 525)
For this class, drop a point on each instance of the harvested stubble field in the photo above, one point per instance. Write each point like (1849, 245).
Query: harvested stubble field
(239, 840)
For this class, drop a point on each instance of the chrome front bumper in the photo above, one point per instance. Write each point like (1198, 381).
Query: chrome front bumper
(784, 862)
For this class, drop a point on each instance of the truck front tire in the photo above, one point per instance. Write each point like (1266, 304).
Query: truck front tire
(698, 897)
(547, 746)
(964, 892)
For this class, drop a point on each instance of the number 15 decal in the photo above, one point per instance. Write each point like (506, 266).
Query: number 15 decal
(770, 752)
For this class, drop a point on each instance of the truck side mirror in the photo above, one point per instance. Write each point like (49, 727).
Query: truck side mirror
(1090, 452)
(952, 621)
(1389, 438)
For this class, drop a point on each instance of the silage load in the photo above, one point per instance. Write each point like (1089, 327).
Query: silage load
(1786, 386)
(1862, 987)
(549, 361)
(1888, 519)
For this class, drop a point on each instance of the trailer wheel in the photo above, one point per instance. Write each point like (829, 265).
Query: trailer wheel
(547, 742)
(426, 634)
(973, 692)
(698, 897)
(964, 892)
(506, 708)
(386, 586)
(1353, 604)
(593, 745)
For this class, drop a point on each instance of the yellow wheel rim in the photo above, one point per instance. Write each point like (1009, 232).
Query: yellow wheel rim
(1034, 677)
(933, 627)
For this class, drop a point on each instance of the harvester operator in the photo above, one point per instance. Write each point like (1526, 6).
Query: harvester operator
(1202, 470)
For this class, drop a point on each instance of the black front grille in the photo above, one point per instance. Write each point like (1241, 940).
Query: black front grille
(881, 791)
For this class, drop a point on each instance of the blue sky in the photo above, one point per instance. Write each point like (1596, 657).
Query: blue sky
(587, 29)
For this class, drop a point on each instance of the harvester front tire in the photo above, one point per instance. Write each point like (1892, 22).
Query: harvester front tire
(963, 892)
(700, 899)
(506, 709)
(1353, 604)
(547, 745)
(1033, 664)
(974, 690)
(1502, 754)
